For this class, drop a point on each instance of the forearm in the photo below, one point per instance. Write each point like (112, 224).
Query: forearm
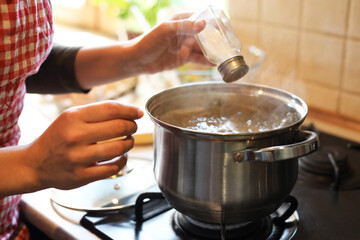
(16, 172)
(101, 65)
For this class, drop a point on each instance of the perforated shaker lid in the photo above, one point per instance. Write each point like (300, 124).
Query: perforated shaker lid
(233, 68)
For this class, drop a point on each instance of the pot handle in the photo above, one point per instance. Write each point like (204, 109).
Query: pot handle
(278, 153)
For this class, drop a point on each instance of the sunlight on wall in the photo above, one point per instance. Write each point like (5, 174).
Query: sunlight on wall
(69, 3)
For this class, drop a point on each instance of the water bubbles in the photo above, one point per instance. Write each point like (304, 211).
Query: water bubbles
(216, 119)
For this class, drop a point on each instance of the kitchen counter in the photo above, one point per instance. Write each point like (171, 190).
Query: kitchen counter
(58, 222)
(39, 210)
(334, 125)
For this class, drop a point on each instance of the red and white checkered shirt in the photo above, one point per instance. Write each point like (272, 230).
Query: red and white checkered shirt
(26, 31)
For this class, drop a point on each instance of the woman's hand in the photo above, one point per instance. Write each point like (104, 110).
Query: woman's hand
(167, 46)
(75, 149)
(170, 45)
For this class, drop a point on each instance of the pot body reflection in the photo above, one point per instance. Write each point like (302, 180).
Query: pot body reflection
(200, 179)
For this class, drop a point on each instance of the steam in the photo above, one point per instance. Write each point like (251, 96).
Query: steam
(290, 82)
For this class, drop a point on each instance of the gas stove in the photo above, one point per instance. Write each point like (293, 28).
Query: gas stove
(323, 205)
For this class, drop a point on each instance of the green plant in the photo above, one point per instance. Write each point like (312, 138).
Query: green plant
(148, 8)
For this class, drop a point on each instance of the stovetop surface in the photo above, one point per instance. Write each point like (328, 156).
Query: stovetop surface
(323, 213)
(326, 214)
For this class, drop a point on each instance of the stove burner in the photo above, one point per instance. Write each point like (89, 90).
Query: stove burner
(325, 167)
(281, 224)
(188, 228)
(319, 162)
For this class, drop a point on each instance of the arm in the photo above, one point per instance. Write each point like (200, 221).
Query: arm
(73, 151)
(167, 46)
(57, 73)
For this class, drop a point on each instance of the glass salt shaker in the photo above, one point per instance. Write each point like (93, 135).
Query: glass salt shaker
(220, 44)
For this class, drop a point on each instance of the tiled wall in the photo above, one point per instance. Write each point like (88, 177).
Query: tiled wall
(312, 48)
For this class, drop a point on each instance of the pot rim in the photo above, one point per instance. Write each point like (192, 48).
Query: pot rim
(227, 135)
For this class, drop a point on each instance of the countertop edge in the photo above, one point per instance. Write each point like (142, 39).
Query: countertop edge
(47, 220)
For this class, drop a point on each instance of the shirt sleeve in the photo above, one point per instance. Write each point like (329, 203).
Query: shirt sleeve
(57, 73)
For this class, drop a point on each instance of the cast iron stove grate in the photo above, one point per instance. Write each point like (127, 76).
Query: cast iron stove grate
(151, 204)
(271, 227)
(147, 206)
(332, 166)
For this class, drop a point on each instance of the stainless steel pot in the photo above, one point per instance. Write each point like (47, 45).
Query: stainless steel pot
(228, 177)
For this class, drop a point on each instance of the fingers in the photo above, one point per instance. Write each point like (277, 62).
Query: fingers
(192, 44)
(182, 15)
(92, 123)
(104, 169)
(199, 58)
(184, 27)
(104, 151)
(102, 131)
(191, 52)
(199, 25)
(109, 110)
(91, 154)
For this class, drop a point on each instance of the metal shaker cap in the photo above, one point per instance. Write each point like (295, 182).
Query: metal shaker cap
(233, 68)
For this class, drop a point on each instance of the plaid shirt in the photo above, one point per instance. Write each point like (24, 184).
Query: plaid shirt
(26, 31)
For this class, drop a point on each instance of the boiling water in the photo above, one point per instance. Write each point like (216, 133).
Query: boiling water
(240, 119)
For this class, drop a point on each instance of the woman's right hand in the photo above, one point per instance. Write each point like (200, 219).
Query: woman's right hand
(75, 150)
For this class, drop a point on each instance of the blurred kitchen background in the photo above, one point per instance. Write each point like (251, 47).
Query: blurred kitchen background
(308, 47)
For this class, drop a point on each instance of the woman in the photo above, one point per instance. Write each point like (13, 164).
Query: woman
(67, 154)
